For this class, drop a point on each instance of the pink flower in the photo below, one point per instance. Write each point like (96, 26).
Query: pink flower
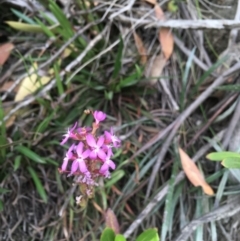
(96, 147)
(79, 162)
(112, 138)
(69, 134)
(68, 157)
(107, 164)
(99, 116)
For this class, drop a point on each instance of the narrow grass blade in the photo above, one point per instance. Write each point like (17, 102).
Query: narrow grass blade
(30, 154)
(23, 16)
(38, 184)
(168, 210)
(118, 60)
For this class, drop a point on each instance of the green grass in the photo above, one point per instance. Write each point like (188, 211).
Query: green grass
(112, 80)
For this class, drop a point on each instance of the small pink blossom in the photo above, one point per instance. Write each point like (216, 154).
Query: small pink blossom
(69, 156)
(69, 134)
(79, 162)
(110, 137)
(96, 147)
(99, 116)
(107, 164)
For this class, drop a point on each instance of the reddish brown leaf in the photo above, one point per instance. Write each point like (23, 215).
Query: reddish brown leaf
(5, 51)
(111, 221)
(167, 42)
(159, 12)
(153, 2)
(140, 47)
(192, 172)
(165, 35)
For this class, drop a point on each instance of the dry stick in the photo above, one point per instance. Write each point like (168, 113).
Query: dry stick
(196, 24)
(184, 24)
(226, 211)
(126, 8)
(62, 74)
(49, 61)
(164, 191)
(179, 121)
(232, 126)
(234, 32)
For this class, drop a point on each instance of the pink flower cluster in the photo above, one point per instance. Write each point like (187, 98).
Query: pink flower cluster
(89, 157)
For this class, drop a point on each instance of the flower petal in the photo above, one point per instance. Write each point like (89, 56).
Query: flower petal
(101, 154)
(99, 116)
(111, 164)
(100, 141)
(65, 139)
(74, 166)
(93, 155)
(64, 165)
(85, 154)
(108, 135)
(79, 149)
(104, 168)
(90, 140)
(82, 166)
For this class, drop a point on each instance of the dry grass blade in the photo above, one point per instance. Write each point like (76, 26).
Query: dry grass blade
(193, 173)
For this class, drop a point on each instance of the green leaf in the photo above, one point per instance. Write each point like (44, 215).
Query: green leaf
(17, 162)
(219, 156)
(1, 206)
(38, 184)
(4, 190)
(234, 87)
(23, 16)
(149, 235)
(26, 27)
(231, 162)
(118, 60)
(169, 204)
(129, 81)
(119, 237)
(30, 154)
(115, 177)
(108, 235)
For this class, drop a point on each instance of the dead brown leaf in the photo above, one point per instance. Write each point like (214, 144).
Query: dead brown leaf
(5, 51)
(159, 12)
(165, 35)
(155, 68)
(140, 47)
(167, 42)
(192, 172)
(153, 2)
(111, 221)
(6, 86)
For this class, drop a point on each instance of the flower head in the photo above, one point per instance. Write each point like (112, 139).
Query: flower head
(69, 156)
(99, 116)
(79, 162)
(96, 147)
(69, 134)
(107, 164)
(89, 155)
(111, 138)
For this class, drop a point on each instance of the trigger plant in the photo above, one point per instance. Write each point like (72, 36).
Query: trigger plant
(89, 156)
